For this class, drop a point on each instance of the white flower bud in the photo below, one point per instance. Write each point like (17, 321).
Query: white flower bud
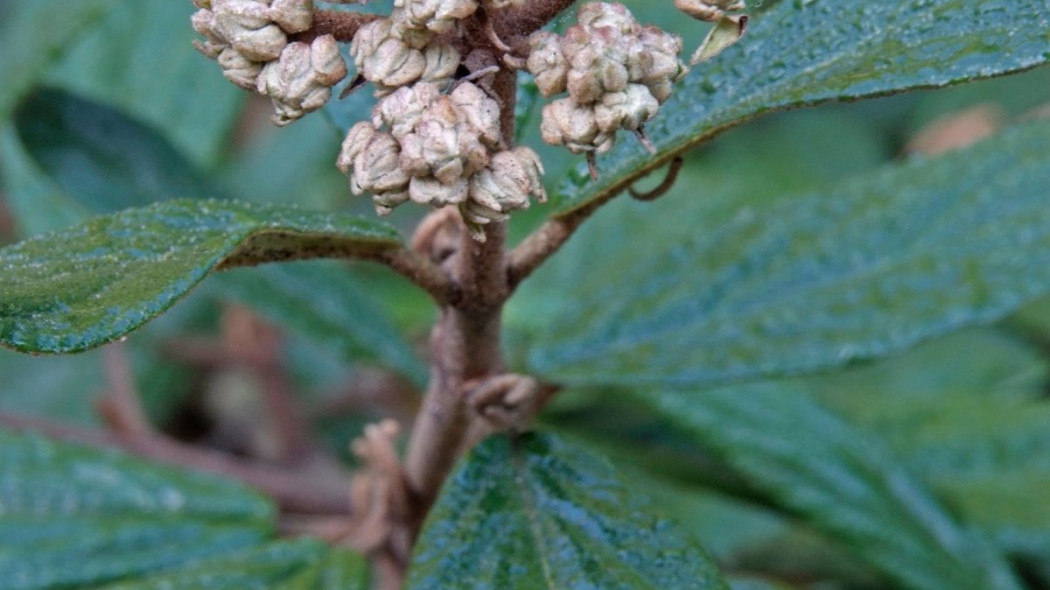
(301, 80)
(511, 178)
(438, 16)
(238, 69)
(654, 62)
(431, 191)
(377, 167)
(403, 110)
(480, 111)
(203, 22)
(441, 62)
(547, 63)
(384, 59)
(246, 25)
(294, 16)
(629, 109)
(608, 15)
(598, 63)
(573, 126)
(357, 139)
(386, 201)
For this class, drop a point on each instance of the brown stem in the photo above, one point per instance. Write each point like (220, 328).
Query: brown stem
(341, 25)
(512, 24)
(293, 491)
(421, 271)
(668, 183)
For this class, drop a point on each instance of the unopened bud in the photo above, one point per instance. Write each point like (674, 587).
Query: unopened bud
(357, 139)
(573, 126)
(438, 16)
(384, 59)
(609, 15)
(480, 111)
(547, 63)
(203, 22)
(709, 10)
(598, 63)
(301, 80)
(294, 16)
(654, 62)
(427, 190)
(511, 178)
(238, 69)
(246, 25)
(629, 109)
(377, 166)
(441, 61)
(403, 110)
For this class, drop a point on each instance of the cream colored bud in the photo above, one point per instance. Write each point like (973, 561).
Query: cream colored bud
(511, 178)
(480, 111)
(629, 109)
(441, 62)
(357, 139)
(203, 22)
(426, 190)
(573, 126)
(384, 59)
(294, 16)
(385, 202)
(654, 62)
(438, 16)
(598, 63)
(608, 15)
(377, 167)
(246, 25)
(301, 80)
(403, 110)
(238, 69)
(547, 63)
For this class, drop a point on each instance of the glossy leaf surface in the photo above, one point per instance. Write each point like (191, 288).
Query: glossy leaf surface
(80, 288)
(539, 513)
(809, 462)
(322, 302)
(74, 517)
(818, 281)
(807, 52)
(106, 160)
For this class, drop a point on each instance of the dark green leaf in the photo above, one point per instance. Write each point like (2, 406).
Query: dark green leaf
(72, 517)
(139, 59)
(322, 302)
(809, 462)
(536, 512)
(35, 34)
(816, 282)
(808, 52)
(80, 288)
(105, 160)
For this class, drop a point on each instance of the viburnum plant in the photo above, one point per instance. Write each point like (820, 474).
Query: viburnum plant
(475, 497)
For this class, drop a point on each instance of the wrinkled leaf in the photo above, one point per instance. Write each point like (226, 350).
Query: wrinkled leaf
(807, 52)
(559, 517)
(811, 463)
(322, 302)
(104, 159)
(34, 35)
(72, 517)
(83, 287)
(815, 282)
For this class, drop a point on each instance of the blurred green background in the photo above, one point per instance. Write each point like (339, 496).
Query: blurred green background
(129, 113)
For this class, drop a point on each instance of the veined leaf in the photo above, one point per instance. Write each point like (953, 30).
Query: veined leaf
(72, 517)
(323, 303)
(810, 463)
(564, 520)
(807, 52)
(80, 288)
(815, 282)
(35, 34)
(104, 159)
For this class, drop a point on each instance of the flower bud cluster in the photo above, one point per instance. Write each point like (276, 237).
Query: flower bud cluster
(249, 39)
(440, 149)
(617, 74)
(402, 49)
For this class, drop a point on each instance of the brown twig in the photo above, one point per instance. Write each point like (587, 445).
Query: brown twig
(512, 24)
(292, 490)
(341, 25)
(668, 183)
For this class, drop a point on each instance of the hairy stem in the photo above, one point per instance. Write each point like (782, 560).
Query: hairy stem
(341, 25)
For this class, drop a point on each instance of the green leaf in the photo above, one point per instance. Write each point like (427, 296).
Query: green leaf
(811, 463)
(807, 52)
(105, 160)
(74, 517)
(324, 303)
(562, 519)
(83, 287)
(34, 35)
(816, 282)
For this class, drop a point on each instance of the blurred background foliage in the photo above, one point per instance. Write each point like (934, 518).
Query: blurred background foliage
(129, 113)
